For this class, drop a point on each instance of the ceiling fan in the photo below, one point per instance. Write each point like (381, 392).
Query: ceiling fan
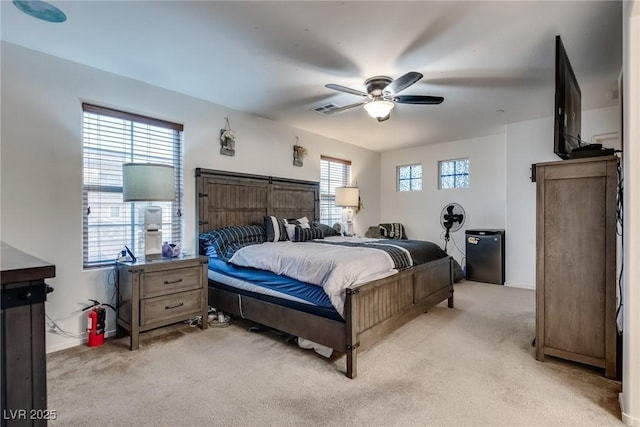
(382, 94)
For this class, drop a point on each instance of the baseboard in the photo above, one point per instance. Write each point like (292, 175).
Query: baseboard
(626, 418)
(74, 342)
(521, 286)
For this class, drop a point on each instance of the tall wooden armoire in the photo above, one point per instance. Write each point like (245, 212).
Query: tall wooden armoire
(576, 261)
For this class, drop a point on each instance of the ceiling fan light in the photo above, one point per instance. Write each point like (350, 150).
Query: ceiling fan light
(379, 108)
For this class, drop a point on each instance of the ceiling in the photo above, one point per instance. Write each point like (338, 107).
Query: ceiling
(493, 62)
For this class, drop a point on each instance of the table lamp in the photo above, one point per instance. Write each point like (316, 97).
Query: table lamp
(147, 182)
(348, 198)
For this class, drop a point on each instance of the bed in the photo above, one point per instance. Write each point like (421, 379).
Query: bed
(370, 310)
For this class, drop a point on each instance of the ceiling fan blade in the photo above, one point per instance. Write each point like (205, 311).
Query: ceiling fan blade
(402, 82)
(345, 89)
(346, 107)
(418, 99)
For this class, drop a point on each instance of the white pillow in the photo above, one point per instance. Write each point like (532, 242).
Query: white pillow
(291, 230)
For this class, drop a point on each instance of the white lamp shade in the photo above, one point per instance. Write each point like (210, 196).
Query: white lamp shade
(347, 196)
(379, 109)
(147, 182)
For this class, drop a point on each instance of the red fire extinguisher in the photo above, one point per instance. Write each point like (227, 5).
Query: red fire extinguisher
(96, 320)
(95, 326)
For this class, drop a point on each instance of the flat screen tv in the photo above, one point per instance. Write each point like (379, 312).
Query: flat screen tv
(567, 125)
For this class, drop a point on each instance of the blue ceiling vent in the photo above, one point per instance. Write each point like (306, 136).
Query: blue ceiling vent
(41, 10)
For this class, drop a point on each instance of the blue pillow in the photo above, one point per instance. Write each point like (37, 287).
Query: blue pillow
(224, 242)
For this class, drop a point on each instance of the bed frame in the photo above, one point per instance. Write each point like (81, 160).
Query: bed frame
(372, 310)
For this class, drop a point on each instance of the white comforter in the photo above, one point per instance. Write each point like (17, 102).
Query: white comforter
(333, 267)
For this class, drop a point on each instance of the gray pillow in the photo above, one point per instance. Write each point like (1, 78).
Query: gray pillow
(327, 230)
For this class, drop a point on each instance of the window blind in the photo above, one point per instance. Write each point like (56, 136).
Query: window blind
(333, 173)
(109, 139)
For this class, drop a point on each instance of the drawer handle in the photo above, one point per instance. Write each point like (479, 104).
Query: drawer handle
(169, 307)
(167, 282)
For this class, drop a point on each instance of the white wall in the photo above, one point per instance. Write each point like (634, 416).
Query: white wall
(501, 194)
(527, 143)
(41, 174)
(483, 201)
(630, 396)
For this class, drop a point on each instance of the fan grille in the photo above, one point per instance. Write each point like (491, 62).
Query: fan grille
(454, 214)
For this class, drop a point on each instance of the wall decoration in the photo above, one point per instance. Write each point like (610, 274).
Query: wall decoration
(298, 154)
(227, 140)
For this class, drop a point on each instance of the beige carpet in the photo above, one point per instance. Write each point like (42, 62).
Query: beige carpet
(468, 366)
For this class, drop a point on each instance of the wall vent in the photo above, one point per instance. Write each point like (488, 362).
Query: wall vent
(327, 110)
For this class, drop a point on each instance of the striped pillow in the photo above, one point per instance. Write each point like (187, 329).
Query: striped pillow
(291, 224)
(224, 242)
(275, 229)
(393, 230)
(302, 234)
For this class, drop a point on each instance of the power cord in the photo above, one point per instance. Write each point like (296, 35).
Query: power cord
(196, 321)
(55, 328)
(112, 282)
(464, 257)
(620, 232)
(459, 250)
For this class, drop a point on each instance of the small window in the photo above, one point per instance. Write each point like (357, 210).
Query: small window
(410, 178)
(454, 173)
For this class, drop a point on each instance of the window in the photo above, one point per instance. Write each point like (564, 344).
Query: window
(454, 173)
(410, 178)
(333, 173)
(109, 139)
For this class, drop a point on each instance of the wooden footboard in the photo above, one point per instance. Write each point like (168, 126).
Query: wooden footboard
(373, 310)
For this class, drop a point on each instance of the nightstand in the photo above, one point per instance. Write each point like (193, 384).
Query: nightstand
(156, 293)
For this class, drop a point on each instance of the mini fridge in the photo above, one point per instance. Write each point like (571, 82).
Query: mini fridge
(485, 256)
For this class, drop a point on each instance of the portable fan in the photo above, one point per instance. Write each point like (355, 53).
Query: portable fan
(451, 218)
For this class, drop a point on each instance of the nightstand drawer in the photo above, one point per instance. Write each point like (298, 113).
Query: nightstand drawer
(170, 281)
(165, 309)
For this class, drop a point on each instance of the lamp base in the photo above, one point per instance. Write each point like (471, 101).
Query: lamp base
(152, 244)
(347, 218)
(348, 229)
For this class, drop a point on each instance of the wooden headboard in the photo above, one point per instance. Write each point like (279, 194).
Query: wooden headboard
(226, 198)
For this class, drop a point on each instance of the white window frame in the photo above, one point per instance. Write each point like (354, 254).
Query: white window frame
(111, 138)
(455, 174)
(411, 179)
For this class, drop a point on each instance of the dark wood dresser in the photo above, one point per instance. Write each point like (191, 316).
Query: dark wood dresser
(24, 374)
(576, 261)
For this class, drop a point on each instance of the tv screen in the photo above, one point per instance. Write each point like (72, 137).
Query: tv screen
(567, 126)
